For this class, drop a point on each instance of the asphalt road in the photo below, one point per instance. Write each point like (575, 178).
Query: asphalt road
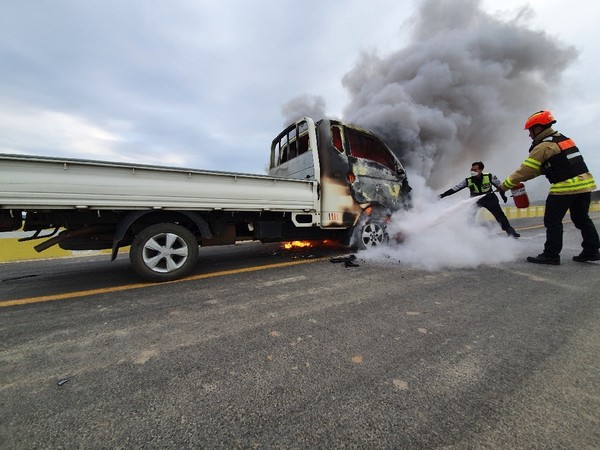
(266, 348)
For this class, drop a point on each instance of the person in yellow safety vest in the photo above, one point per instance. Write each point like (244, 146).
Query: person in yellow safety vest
(558, 158)
(481, 185)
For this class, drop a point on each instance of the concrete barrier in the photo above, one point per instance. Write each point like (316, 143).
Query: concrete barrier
(13, 250)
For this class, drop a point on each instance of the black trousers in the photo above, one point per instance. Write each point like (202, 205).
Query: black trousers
(491, 203)
(556, 208)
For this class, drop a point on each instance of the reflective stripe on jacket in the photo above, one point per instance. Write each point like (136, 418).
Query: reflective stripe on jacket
(543, 148)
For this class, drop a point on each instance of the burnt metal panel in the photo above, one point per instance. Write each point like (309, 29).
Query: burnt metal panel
(375, 183)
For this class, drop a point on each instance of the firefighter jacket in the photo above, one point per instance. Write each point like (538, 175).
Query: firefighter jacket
(558, 158)
(477, 185)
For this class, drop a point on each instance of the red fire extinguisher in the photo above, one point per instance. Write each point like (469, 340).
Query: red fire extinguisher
(519, 195)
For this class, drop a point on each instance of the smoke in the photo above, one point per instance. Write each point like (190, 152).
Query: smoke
(459, 91)
(442, 234)
(304, 105)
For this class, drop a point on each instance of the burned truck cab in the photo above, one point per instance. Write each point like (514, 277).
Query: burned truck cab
(359, 177)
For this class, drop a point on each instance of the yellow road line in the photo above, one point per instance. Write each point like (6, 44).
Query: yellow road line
(127, 287)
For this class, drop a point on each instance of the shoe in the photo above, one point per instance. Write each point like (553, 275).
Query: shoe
(587, 256)
(511, 232)
(542, 258)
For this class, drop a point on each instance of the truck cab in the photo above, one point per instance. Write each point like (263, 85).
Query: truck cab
(358, 174)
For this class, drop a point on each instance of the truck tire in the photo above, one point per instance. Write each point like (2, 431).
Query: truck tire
(370, 231)
(163, 252)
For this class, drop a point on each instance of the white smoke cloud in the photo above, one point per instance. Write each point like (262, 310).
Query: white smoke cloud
(443, 234)
(459, 91)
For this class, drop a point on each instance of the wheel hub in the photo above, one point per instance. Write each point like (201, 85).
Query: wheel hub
(165, 252)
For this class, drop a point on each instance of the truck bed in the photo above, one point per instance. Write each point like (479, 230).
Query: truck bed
(34, 182)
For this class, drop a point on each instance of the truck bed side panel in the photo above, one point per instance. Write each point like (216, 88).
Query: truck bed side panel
(52, 183)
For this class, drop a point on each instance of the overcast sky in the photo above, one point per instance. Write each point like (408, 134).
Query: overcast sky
(208, 84)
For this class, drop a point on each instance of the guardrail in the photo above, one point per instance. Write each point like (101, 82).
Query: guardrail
(512, 212)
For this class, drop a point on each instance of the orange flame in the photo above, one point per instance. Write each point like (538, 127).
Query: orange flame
(305, 244)
(297, 244)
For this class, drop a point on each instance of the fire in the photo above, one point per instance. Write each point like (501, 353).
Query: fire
(305, 244)
(297, 244)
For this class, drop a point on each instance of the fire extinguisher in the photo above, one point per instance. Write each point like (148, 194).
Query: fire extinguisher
(519, 195)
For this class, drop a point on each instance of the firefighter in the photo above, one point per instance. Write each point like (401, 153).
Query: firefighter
(558, 158)
(481, 185)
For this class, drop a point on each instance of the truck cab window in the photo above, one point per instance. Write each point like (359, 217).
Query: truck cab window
(292, 150)
(284, 155)
(336, 138)
(303, 144)
(293, 143)
(367, 147)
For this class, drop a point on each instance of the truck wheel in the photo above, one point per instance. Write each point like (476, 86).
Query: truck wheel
(163, 252)
(370, 231)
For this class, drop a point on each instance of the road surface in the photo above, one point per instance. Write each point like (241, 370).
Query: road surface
(265, 348)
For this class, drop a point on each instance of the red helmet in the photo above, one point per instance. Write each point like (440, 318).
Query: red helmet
(539, 118)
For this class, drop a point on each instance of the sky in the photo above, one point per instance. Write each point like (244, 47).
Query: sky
(208, 85)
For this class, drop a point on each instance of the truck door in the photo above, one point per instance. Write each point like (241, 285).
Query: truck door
(338, 208)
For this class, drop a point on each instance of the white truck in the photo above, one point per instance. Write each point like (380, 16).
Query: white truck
(326, 180)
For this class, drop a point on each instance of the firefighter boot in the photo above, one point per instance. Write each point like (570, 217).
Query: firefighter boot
(544, 258)
(511, 232)
(587, 255)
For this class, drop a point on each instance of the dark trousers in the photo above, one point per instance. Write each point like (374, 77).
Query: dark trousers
(556, 208)
(491, 203)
